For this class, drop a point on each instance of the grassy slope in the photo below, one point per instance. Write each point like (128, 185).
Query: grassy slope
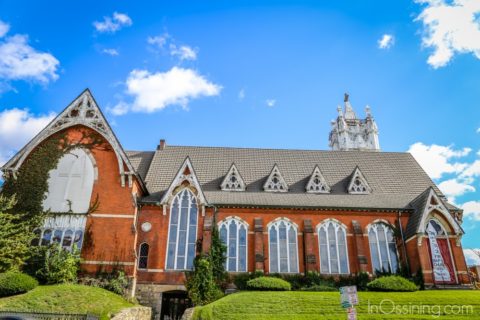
(326, 305)
(67, 298)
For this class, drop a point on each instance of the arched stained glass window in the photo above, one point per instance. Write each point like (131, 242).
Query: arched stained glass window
(332, 238)
(283, 251)
(383, 248)
(182, 231)
(233, 233)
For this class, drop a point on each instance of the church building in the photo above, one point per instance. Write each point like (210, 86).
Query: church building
(343, 211)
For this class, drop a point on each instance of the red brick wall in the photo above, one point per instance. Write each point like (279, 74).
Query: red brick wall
(108, 240)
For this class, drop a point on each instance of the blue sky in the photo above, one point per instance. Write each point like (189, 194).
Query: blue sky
(255, 74)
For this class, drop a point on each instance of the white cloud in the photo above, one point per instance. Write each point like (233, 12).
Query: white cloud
(18, 60)
(241, 94)
(453, 188)
(119, 109)
(183, 52)
(270, 102)
(158, 41)
(386, 42)
(165, 41)
(472, 258)
(438, 160)
(111, 52)
(450, 28)
(17, 127)
(471, 209)
(472, 170)
(113, 24)
(4, 28)
(155, 91)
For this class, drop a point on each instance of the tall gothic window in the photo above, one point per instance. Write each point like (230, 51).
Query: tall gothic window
(233, 233)
(182, 231)
(283, 252)
(143, 256)
(383, 248)
(332, 240)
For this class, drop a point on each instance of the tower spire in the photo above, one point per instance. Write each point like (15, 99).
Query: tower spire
(350, 133)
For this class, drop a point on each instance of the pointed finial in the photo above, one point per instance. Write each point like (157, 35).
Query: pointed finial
(339, 110)
(345, 97)
(368, 111)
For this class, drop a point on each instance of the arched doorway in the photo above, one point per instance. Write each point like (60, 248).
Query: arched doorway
(440, 253)
(174, 304)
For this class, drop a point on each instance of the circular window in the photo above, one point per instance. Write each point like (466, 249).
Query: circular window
(146, 226)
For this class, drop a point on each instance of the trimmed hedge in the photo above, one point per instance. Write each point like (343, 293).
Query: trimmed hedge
(268, 284)
(392, 283)
(12, 283)
(321, 288)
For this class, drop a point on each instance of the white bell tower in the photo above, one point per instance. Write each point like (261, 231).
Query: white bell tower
(350, 133)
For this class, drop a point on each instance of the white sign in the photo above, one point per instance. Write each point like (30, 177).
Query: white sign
(348, 296)
(440, 270)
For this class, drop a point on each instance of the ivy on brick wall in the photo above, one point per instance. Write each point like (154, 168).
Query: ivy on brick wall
(28, 189)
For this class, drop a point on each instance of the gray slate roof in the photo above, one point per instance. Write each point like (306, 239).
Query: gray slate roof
(140, 161)
(396, 178)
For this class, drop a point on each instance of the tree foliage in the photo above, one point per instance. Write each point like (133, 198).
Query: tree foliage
(217, 256)
(200, 284)
(15, 236)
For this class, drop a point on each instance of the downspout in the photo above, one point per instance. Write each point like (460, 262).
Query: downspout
(403, 242)
(135, 225)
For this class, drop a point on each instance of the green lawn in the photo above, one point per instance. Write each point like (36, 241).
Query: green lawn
(67, 298)
(326, 305)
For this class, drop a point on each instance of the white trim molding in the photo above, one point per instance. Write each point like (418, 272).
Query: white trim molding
(358, 184)
(275, 181)
(233, 180)
(185, 173)
(317, 182)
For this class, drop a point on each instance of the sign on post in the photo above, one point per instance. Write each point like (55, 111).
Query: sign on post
(348, 299)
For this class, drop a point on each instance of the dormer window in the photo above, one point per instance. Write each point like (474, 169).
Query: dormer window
(317, 183)
(358, 184)
(233, 180)
(275, 182)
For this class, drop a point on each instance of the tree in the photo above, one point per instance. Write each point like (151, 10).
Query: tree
(200, 284)
(15, 236)
(217, 256)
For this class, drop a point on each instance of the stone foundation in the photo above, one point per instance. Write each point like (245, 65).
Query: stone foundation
(135, 313)
(150, 295)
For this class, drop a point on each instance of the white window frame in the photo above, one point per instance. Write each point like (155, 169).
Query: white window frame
(289, 224)
(374, 227)
(193, 199)
(226, 222)
(337, 225)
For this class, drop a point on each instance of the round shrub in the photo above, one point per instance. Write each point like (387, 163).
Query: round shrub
(392, 283)
(268, 284)
(15, 282)
(318, 287)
